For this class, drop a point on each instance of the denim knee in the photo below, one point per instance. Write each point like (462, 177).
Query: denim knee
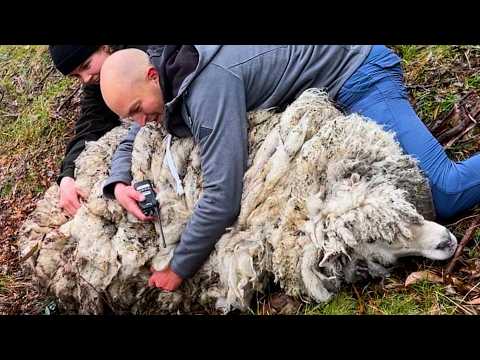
(445, 212)
(448, 201)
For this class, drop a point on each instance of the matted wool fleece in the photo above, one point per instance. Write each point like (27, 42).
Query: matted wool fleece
(318, 183)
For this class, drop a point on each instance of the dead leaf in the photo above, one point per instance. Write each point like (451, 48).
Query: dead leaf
(475, 301)
(426, 275)
(463, 286)
(279, 300)
(282, 304)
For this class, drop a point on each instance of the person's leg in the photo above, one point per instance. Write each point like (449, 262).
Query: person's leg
(377, 91)
(455, 186)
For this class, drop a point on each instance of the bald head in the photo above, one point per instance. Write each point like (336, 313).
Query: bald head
(124, 74)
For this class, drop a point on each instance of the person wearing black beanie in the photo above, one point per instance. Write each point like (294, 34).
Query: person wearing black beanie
(67, 58)
(96, 119)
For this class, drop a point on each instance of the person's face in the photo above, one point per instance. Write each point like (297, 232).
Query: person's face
(145, 102)
(89, 71)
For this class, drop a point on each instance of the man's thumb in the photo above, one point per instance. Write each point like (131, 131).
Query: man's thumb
(83, 194)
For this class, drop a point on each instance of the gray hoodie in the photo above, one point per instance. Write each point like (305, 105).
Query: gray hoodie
(214, 100)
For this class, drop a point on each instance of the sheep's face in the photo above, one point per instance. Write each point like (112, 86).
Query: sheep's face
(429, 240)
(372, 260)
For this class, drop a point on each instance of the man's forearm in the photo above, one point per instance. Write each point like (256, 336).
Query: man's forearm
(121, 169)
(208, 223)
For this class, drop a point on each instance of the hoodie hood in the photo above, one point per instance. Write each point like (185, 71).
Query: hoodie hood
(178, 66)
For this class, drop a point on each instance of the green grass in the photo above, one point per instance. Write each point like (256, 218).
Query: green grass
(27, 116)
(393, 304)
(408, 53)
(436, 84)
(32, 132)
(474, 249)
(420, 298)
(342, 304)
(5, 281)
(473, 82)
(430, 104)
(5, 189)
(411, 54)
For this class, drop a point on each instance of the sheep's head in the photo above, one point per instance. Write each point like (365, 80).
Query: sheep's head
(323, 274)
(429, 239)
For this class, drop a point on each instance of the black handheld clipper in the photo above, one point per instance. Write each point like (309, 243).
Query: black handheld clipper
(150, 206)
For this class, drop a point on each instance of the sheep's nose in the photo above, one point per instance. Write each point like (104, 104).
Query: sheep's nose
(449, 241)
(444, 244)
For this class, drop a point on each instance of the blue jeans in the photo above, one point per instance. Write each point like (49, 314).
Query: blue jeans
(377, 91)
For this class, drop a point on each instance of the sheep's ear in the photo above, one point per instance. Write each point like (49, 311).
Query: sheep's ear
(356, 270)
(361, 269)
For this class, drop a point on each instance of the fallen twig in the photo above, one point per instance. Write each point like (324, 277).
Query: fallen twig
(459, 129)
(469, 291)
(420, 86)
(68, 99)
(465, 141)
(457, 305)
(9, 114)
(40, 84)
(466, 238)
(466, 96)
(454, 140)
(462, 219)
(475, 301)
(438, 125)
(465, 53)
(441, 122)
(361, 303)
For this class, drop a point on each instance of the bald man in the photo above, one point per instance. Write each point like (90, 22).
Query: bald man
(205, 92)
(131, 73)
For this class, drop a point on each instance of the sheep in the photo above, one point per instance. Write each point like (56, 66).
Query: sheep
(328, 199)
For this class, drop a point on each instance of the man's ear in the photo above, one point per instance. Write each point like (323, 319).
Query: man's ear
(152, 73)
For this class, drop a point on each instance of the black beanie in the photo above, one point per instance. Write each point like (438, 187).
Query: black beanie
(68, 57)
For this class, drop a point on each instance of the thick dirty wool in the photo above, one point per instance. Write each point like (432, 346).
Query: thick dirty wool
(318, 184)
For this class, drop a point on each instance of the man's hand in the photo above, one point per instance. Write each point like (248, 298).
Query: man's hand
(70, 195)
(166, 279)
(128, 197)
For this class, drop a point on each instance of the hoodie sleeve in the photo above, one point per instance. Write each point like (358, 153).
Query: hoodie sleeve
(95, 120)
(218, 119)
(121, 168)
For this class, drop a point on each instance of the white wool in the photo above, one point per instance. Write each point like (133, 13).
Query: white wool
(319, 185)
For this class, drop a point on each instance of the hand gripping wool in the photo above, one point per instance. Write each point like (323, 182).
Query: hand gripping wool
(328, 199)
